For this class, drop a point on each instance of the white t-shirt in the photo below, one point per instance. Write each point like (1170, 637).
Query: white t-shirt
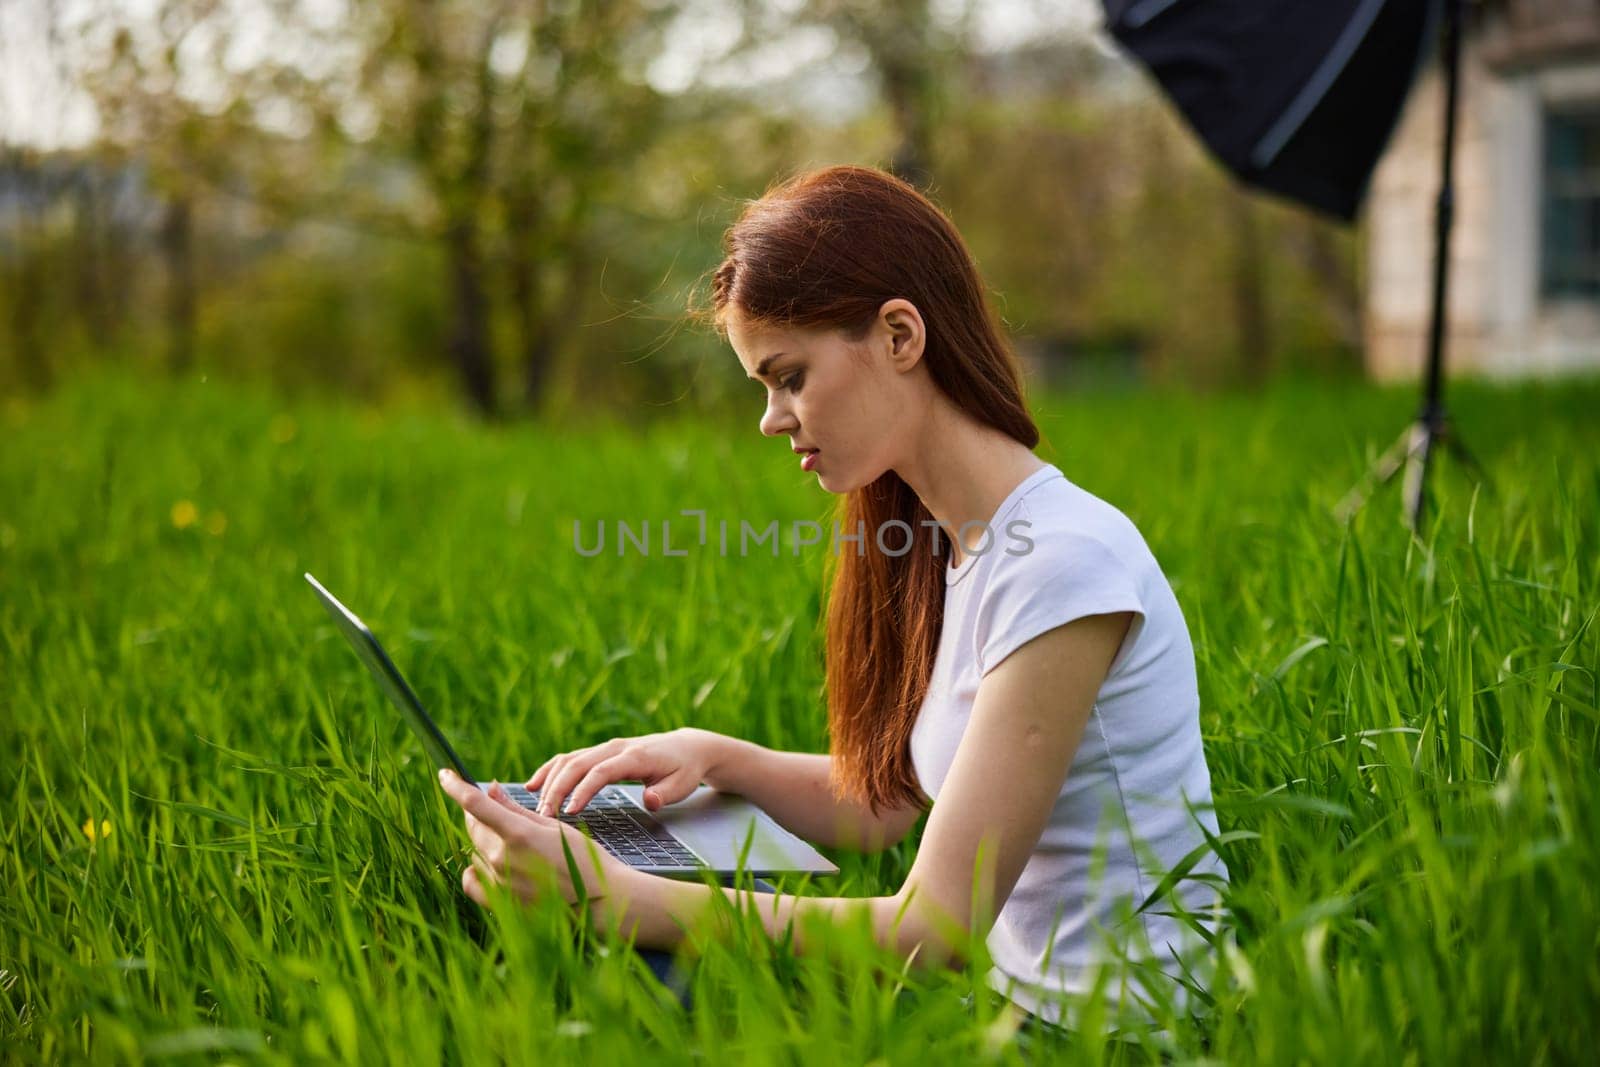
(1139, 759)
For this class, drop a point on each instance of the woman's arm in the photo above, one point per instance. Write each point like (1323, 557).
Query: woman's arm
(528, 854)
(1027, 721)
(656, 912)
(793, 788)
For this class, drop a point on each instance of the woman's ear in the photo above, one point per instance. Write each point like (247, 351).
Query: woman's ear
(906, 336)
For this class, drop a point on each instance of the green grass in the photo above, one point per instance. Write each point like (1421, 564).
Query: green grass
(1404, 732)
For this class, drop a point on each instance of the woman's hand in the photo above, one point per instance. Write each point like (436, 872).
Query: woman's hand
(671, 764)
(522, 849)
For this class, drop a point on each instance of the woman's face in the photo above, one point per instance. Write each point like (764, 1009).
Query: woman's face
(842, 398)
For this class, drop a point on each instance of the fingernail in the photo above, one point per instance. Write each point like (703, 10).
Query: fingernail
(443, 772)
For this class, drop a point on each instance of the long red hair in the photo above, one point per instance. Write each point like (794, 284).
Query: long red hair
(826, 249)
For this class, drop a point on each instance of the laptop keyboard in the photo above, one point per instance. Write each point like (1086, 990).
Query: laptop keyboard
(618, 826)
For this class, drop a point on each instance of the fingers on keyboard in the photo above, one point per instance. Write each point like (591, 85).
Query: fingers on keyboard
(628, 838)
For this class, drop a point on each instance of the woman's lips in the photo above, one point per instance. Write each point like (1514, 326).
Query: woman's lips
(808, 461)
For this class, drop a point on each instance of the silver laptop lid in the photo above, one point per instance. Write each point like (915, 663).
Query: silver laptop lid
(383, 669)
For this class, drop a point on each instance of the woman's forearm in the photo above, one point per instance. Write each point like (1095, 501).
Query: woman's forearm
(793, 788)
(656, 912)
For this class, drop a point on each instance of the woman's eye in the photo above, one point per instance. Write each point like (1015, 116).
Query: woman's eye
(792, 383)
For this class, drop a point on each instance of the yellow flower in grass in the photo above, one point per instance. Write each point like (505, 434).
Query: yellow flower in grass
(184, 514)
(216, 522)
(96, 833)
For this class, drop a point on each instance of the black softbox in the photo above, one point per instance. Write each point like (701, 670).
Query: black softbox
(1296, 97)
(1299, 98)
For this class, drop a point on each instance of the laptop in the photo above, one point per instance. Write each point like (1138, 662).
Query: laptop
(705, 830)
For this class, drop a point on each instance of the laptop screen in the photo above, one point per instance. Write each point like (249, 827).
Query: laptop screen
(390, 681)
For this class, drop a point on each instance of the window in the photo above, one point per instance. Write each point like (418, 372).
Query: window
(1571, 248)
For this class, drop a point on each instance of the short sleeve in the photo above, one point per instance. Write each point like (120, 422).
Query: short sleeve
(1062, 578)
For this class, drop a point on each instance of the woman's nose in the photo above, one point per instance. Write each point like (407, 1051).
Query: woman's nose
(776, 419)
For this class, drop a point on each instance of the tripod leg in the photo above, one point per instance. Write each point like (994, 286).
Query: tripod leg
(1398, 453)
(1416, 482)
(1460, 453)
(1382, 469)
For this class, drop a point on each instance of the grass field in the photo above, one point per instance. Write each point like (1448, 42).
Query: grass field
(219, 843)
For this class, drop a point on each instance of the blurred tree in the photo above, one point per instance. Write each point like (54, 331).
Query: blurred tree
(914, 54)
(28, 187)
(67, 271)
(450, 128)
(136, 93)
(101, 259)
(493, 129)
(576, 136)
(391, 193)
(518, 116)
(1107, 233)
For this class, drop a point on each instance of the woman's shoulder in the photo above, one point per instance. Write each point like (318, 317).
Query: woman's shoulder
(1066, 521)
(1058, 568)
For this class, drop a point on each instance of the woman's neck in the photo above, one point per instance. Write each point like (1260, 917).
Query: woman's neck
(962, 471)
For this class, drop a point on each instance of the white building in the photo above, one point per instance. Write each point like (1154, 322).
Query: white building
(1524, 288)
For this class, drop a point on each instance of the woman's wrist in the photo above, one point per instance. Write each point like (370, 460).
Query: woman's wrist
(724, 756)
(638, 906)
(608, 904)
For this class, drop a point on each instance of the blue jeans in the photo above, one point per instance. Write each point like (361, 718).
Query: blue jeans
(1035, 1030)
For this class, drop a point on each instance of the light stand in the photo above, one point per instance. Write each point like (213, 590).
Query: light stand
(1432, 426)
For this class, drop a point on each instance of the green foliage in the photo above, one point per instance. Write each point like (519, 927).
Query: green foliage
(221, 842)
(1099, 226)
(338, 312)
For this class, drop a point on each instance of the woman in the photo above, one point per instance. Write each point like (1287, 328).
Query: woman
(1033, 672)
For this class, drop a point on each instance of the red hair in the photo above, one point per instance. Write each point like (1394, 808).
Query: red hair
(827, 249)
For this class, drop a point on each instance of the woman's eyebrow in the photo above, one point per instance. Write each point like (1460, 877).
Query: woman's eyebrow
(761, 368)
